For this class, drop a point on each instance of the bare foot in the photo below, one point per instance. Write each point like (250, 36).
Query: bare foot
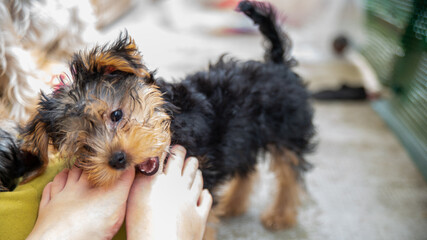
(71, 209)
(169, 205)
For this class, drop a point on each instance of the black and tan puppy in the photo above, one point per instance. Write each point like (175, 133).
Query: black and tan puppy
(236, 110)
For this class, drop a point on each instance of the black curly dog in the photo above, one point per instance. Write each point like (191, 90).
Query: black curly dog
(235, 110)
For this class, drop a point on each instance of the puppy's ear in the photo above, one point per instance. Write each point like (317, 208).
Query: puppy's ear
(120, 57)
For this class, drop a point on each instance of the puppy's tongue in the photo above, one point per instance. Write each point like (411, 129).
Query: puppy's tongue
(149, 167)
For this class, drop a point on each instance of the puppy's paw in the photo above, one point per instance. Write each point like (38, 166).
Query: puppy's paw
(277, 220)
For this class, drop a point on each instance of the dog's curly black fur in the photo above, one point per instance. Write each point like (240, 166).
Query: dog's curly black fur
(235, 110)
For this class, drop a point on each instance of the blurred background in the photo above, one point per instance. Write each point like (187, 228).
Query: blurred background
(365, 61)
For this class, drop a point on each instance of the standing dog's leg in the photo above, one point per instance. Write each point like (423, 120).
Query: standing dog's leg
(235, 200)
(282, 212)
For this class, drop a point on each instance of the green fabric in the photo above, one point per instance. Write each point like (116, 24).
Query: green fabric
(18, 209)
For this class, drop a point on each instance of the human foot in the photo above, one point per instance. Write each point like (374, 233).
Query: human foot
(71, 209)
(169, 205)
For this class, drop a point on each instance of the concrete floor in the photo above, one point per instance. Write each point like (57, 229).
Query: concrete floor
(363, 186)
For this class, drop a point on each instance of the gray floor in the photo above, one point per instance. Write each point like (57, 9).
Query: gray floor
(363, 186)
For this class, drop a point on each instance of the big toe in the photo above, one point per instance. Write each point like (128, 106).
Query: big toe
(59, 182)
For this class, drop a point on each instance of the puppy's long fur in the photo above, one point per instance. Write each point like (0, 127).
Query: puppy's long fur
(115, 114)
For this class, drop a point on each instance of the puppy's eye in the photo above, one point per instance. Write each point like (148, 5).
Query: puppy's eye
(116, 115)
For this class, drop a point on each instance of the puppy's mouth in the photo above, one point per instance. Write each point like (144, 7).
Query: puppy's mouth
(149, 167)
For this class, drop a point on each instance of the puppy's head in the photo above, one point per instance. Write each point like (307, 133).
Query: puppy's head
(110, 117)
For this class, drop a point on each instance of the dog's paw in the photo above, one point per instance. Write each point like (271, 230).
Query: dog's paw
(278, 220)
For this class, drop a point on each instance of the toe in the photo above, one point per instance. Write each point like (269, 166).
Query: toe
(45, 195)
(127, 177)
(197, 186)
(205, 204)
(74, 174)
(189, 171)
(59, 182)
(175, 160)
(125, 181)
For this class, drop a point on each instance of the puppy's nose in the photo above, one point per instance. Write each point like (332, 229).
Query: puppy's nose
(118, 160)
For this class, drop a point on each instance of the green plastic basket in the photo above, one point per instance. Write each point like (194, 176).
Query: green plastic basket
(397, 50)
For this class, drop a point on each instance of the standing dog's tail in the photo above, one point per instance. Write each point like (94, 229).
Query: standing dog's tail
(266, 17)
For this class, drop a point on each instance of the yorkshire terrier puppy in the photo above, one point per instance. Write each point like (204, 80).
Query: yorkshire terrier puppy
(114, 114)
(109, 118)
(32, 34)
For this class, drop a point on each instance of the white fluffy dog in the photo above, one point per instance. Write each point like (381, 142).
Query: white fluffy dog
(32, 34)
